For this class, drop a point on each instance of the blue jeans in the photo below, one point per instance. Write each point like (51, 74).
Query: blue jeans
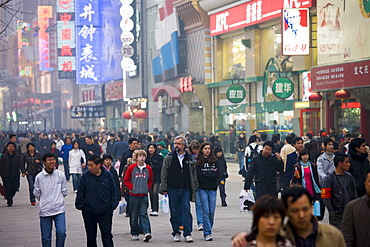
(66, 169)
(139, 210)
(241, 159)
(76, 180)
(31, 186)
(179, 200)
(198, 210)
(208, 200)
(46, 225)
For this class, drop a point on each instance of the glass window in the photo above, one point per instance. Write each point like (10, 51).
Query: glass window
(234, 61)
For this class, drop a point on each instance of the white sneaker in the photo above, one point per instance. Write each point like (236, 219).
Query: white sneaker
(208, 238)
(147, 237)
(200, 228)
(176, 238)
(189, 239)
(135, 237)
(154, 213)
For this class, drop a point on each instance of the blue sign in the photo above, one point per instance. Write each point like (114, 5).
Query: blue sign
(98, 41)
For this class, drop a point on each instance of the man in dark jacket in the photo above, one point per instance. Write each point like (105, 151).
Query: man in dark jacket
(338, 189)
(97, 198)
(292, 158)
(10, 165)
(110, 144)
(265, 167)
(119, 147)
(359, 163)
(90, 149)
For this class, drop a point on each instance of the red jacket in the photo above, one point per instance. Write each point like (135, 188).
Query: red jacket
(138, 181)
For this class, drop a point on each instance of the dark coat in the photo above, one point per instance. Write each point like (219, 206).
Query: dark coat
(10, 167)
(358, 169)
(315, 177)
(30, 165)
(155, 162)
(265, 172)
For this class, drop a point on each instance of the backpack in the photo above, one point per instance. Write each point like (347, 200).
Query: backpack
(249, 158)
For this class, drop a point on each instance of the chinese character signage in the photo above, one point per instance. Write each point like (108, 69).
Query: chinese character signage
(113, 91)
(235, 93)
(24, 40)
(306, 85)
(295, 32)
(342, 31)
(251, 13)
(66, 39)
(44, 13)
(283, 88)
(87, 111)
(186, 84)
(348, 75)
(98, 52)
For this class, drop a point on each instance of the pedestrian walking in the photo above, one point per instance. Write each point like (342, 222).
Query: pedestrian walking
(32, 165)
(107, 164)
(10, 166)
(224, 174)
(97, 199)
(208, 175)
(179, 181)
(64, 153)
(76, 161)
(139, 179)
(50, 189)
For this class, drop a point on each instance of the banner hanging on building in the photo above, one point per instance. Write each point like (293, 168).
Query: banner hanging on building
(44, 13)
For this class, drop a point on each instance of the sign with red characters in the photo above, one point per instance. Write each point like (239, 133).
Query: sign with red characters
(251, 13)
(186, 84)
(66, 39)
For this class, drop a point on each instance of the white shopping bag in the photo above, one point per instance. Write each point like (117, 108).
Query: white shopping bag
(122, 206)
(165, 206)
(246, 200)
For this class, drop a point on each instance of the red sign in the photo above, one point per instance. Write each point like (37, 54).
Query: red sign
(350, 105)
(348, 75)
(186, 84)
(251, 13)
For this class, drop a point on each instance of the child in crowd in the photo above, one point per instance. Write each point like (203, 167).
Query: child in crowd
(139, 179)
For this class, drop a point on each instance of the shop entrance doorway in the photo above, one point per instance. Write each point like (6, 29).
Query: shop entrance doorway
(309, 121)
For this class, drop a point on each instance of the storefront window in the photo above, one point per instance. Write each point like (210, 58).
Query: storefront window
(234, 58)
(275, 122)
(348, 114)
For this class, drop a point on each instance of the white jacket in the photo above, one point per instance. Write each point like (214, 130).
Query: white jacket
(50, 190)
(74, 161)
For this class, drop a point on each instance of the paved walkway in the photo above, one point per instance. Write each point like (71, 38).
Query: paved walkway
(19, 225)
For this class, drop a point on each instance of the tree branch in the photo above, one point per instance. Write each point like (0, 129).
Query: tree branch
(7, 25)
(4, 3)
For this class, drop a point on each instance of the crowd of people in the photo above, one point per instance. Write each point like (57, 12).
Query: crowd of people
(332, 172)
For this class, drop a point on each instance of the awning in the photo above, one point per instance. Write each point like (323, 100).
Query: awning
(171, 91)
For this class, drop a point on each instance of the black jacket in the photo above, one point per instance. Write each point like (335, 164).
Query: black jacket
(155, 162)
(223, 168)
(208, 175)
(116, 181)
(125, 155)
(30, 165)
(92, 147)
(10, 165)
(359, 168)
(96, 194)
(264, 170)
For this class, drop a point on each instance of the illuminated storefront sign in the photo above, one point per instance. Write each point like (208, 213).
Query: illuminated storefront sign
(186, 84)
(295, 32)
(98, 41)
(24, 40)
(44, 13)
(251, 13)
(66, 39)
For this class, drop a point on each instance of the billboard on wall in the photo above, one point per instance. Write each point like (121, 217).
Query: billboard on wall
(342, 28)
(66, 39)
(44, 13)
(98, 53)
(295, 32)
(251, 13)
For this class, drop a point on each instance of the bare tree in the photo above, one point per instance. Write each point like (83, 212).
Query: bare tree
(8, 7)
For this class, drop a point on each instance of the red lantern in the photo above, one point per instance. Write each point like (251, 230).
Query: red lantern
(315, 97)
(140, 114)
(126, 115)
(342, 94)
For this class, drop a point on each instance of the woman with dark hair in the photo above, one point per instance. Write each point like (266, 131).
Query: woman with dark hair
(76, 161)
(32, 165)
(208, 173)
(53, 149)
(224, 175)
(268, 217)
(154, 160)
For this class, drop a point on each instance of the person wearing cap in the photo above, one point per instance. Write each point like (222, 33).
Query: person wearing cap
(163, 148)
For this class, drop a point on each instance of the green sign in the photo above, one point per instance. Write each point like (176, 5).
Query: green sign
(235, 93)
(283, 88)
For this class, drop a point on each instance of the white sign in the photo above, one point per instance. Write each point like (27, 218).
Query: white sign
(295, 32)
(127, 51)
(127, 38)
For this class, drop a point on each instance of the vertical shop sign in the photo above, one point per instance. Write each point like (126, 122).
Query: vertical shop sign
(44, 13)
(66, 39)
(88, 42)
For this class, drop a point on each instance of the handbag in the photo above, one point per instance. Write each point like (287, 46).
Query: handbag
(122, 206)
(2, 190)
(165, 207)
(246, 200)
